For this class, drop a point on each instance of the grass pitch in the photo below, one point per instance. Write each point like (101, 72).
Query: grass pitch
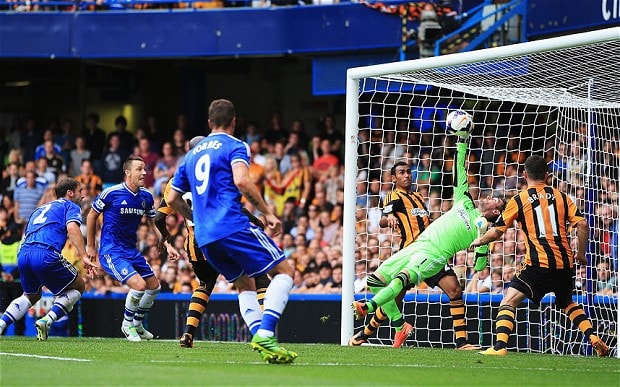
(117, 362)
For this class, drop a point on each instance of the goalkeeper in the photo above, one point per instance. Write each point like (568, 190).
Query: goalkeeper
(429, 254)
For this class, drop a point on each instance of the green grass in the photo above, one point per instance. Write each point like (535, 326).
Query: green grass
(116, 362)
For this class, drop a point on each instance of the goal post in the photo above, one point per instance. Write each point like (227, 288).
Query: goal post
(557, 98)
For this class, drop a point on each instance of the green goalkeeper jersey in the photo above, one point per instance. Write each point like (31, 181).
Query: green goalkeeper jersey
(455, 230)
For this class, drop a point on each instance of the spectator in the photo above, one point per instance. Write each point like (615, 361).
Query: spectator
(276, 132)
(166, 165)
(329, 132)
(89, 180)
(169, 279)
(336, 279)
(40, 151)
(112, 162)
(150, 161)
(43, 171)
(480, 282)
(94, 136)
(27, 197)
(323, 161)
(178, 143)
(66, 140)
(77, 155)
(359, 284)
(251, 133)
(29, 139)
(606, 282)
(9, 181)
(325, 275)
(303, 227)
(55, 163)
(125, 138)
(273, 179)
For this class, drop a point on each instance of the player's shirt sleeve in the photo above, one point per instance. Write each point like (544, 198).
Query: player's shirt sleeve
(73, 213)
(240, 153)
(180, 182)
(459, 174)
(387, 204)
(574, 213)
(150, 212)
(510, 214)
(164, 208)
(101, 202)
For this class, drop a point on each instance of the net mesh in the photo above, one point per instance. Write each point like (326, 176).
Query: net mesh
(563, 105)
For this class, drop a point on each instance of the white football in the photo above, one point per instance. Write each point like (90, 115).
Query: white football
(459, 123)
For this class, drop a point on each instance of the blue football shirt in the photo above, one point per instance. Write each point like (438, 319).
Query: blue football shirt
(206, 172)
(48, 223)
(122, 213)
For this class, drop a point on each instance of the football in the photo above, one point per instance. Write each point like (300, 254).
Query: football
(459, 123)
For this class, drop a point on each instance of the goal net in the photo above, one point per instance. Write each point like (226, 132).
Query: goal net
(557, 98)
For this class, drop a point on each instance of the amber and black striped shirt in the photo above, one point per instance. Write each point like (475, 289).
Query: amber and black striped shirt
(411, 212)
(543, 213)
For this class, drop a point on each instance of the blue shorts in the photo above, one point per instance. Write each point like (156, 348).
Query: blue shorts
(248, 251)
(39, 266)
(122, 264)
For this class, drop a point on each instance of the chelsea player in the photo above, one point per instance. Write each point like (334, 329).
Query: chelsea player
(41, 263)
(216, 171)
(123, 206)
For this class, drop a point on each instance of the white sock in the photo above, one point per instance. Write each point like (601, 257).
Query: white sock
(63, 304)
(16, 310)
(277, 293)
(146, 302)
(131, 305)
(276, 298)
(250, 310)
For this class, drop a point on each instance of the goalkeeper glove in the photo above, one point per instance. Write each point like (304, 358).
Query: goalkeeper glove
(480, 261)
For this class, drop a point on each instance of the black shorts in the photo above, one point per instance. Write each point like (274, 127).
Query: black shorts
(434, 280)
(535, 282)
(205, 273)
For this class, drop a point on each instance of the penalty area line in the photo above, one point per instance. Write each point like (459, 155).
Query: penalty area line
(43, 357)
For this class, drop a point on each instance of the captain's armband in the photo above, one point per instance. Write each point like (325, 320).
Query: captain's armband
(388, 209)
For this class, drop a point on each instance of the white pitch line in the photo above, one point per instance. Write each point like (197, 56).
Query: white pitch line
(42, 357)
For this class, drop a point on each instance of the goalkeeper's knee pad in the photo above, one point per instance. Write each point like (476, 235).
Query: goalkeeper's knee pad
(404, 278)
(374, 281)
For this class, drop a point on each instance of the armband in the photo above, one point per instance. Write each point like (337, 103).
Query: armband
(388, 209)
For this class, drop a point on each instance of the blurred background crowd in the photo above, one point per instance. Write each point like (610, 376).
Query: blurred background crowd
(301, 175)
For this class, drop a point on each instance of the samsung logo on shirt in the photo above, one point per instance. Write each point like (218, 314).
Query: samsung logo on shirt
(134, 211)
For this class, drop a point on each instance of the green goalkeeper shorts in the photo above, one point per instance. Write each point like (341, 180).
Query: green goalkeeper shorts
(422, 263)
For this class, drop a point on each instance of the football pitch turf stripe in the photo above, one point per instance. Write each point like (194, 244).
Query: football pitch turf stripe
(424, 366)
(42, 357)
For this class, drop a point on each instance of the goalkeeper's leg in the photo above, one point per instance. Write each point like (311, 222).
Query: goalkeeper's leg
(389, 293)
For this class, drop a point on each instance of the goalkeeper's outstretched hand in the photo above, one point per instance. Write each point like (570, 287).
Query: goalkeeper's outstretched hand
(463, 136)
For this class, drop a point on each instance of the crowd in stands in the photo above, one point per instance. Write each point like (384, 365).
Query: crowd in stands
(301, 174)
(102, 5)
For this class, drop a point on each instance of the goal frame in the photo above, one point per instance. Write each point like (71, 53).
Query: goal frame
(354, 75)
